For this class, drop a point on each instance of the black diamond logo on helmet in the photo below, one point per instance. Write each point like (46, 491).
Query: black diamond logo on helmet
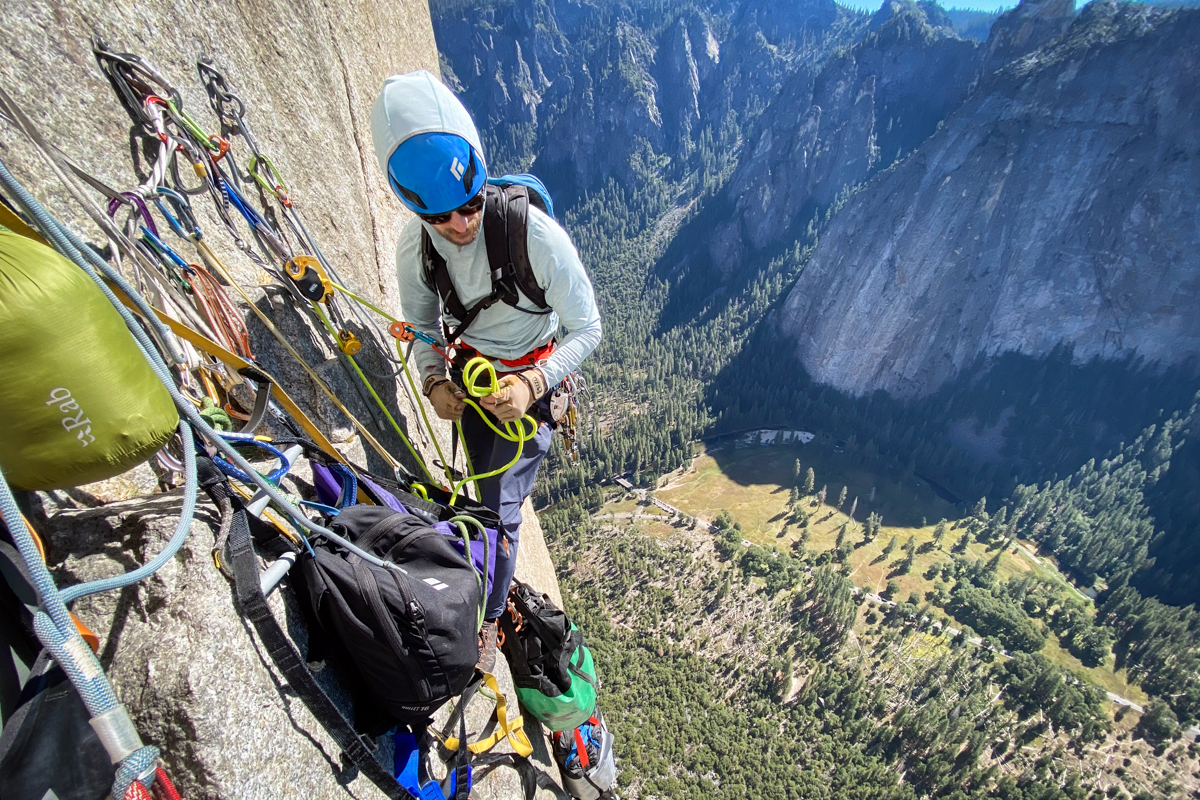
(468, 177)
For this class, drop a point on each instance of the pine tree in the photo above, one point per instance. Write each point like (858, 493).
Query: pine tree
(821, 495)
(853, 507)
(842, 497)
(874, 522)
(980, 509)
(939, 533)
(796, 472)
(810, 482)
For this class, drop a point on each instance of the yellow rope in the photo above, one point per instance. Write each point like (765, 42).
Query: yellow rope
(378, 401)
(513, 431)
(446, 465)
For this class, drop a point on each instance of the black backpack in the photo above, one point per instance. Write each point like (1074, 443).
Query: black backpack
(505, 230)
(412, 633)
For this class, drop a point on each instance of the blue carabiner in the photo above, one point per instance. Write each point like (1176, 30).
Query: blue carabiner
(164, 250)
(184, 211)
(247, 439)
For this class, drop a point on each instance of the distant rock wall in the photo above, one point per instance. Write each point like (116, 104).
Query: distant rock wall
(587, 92)
(1057, 206)
(830, 131)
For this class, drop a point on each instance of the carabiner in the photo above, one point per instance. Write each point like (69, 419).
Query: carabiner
(138, 204)
(185, 221)
(276, 186)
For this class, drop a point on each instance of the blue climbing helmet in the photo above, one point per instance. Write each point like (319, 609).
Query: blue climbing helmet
(433, 173)
(427, 144)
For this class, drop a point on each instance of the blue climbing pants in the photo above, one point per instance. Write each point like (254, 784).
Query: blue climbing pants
(506, 492)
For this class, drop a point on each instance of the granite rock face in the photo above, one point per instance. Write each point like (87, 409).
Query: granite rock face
(1023, 30)
(1057, 206)
(830, 130)
(308, 74)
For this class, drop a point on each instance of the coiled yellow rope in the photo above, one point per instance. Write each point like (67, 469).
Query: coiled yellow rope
(515, 431)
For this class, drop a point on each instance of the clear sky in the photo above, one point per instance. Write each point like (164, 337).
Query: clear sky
(979, 5)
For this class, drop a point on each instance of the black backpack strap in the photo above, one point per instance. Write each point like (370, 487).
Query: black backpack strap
(255, 609)
(437, 278)
(516, 271)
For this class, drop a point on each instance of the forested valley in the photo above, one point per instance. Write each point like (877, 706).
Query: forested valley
(757, 671)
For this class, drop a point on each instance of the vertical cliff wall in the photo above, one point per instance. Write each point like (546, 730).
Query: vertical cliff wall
(307, 73)
(1056, 207)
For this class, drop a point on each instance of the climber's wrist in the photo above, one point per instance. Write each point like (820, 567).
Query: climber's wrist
(432, 382)
(535, 380)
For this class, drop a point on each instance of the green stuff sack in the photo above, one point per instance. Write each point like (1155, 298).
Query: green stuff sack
(551, 666)
(78, 402)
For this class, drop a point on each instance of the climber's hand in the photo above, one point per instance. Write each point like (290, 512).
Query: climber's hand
(447, 400)
(515, 396)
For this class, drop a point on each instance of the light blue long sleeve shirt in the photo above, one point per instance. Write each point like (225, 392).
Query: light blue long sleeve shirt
(501, 331)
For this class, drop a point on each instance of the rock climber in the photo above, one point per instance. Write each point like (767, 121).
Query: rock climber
(429, 149)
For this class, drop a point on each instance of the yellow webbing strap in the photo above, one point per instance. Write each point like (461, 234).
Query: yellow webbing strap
(17, 225)
(215, 350)
(513, 730)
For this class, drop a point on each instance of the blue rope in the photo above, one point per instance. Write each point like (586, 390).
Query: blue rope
(135, 766)
(173, 545)
(52, 622)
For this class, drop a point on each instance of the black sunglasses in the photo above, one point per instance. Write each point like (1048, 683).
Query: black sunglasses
(468, 208)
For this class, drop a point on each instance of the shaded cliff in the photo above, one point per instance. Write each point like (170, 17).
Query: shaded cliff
(588, 93)
(830, 130)
(1057, 206)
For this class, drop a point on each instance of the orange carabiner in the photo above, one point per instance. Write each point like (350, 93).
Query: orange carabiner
(221, 144)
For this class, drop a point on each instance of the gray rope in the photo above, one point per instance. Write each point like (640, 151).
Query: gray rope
(65, 242)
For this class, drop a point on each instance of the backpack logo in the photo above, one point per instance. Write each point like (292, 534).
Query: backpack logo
(457, 169)
(436, 584)
(67, 404)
